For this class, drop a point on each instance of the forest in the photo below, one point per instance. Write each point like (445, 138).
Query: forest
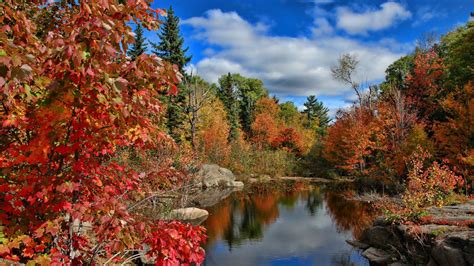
(96, 118)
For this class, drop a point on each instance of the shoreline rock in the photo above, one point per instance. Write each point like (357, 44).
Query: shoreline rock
(434, 244)
(190, 215)
(212, 175)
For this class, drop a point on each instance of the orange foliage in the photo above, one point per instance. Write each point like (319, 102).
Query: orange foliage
(349, 214)
(396, 120)
(454, 135)
(264, 129)
(289, 140)
(268, 106)
(349, 141)
(427, 186)
(425, 82)
(269, 131)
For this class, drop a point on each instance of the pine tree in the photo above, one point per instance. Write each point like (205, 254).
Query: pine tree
(227, 93)
(140, 46)
(170, 48)
(316, 112)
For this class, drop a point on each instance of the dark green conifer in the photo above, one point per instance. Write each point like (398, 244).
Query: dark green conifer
(140, 46)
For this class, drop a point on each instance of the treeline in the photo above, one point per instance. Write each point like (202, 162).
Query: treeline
(234, 123)
(425, 103)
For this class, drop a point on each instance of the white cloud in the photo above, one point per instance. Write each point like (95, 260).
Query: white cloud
(322, 27)
(287, 65)
(371, 20)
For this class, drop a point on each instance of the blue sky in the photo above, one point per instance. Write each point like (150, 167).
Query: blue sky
(291, 44)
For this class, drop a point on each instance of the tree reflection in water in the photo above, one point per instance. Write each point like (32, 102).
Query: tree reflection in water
(243, 217)
(348, 214)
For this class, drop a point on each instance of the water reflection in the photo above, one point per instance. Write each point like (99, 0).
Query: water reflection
(348, 215)
(274, 227)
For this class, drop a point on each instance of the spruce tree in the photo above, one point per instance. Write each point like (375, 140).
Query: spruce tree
(228, 95)
(170, 48)
(140, 46)
(316, 112)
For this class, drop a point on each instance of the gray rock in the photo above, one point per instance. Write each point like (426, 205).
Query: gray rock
(397, 263)
(443, 254)
(381, 237)
(213, 175)
(379, 256)
(190, 215)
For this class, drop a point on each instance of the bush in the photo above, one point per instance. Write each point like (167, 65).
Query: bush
(245, 160)
(429, 185)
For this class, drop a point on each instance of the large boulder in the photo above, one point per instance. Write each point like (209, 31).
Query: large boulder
(213, 175)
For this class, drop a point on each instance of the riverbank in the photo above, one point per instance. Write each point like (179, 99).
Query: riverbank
(444, 236)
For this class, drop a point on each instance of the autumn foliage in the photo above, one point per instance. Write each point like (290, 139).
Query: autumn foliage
(350, 140)
(70, 98)
(377, 137)
(269, 130)
(429, 185)
(213, 132)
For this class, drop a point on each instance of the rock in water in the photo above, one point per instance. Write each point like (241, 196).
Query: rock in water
(378, 256)
(213, 175)
(190, 215)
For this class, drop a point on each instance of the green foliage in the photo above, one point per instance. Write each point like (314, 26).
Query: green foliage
(249, 90)
(239, 95)
(176, 114)
(396, 73)
(458, 47)
(289, 113)
(246, 161)
(317, 114)
(170, 47)
(139, 46)
(227, 93)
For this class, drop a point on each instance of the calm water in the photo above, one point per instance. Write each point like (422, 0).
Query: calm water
(306, 227)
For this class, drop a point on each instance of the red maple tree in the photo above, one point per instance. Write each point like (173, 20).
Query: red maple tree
(70, 98)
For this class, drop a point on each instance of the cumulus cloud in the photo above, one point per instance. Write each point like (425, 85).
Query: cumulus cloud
(287, 65)
(371, 20)
(322, 27)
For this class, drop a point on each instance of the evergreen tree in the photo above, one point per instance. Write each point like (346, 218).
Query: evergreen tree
(316, 112)
(227, 93)
(140, 46)
(170, 48)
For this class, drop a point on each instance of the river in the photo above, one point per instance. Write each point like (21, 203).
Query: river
(297, 226)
